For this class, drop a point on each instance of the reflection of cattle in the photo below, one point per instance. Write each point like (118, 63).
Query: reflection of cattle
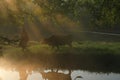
(56, 76)
(23, 74)
(58, 40)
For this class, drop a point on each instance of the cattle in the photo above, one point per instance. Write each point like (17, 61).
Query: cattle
(58, 40)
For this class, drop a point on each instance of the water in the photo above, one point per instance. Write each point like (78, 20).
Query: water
(71, 70)
(8, 74)
(95, 76)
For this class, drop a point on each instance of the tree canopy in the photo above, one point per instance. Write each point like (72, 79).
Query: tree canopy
(102, 14)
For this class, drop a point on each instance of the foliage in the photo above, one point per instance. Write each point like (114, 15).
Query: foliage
(105, 12)
(102, 13)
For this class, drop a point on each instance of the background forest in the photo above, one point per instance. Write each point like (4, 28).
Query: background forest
(45, 17)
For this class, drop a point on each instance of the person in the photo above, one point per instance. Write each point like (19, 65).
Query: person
(24, 39)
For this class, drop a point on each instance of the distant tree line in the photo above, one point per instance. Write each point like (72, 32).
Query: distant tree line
(103, 15)
(96, 14)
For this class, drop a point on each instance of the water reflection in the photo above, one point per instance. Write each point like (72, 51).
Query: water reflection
(95, 76)
(56, 75)
(9, 75)
(23, 74)
(34, 76)
(35, 71)
(53, 74)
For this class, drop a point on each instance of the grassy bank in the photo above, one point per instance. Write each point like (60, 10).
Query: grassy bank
(85, 55)
(79, 48)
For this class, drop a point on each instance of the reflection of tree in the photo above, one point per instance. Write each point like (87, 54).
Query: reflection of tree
(24, 71)
(23, 74)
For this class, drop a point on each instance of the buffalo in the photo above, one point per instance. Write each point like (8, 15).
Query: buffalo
(58, 40)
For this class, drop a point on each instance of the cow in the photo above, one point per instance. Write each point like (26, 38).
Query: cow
(58, 40)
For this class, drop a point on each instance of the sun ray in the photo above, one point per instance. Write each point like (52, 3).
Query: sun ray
(34, 32)
(44, 25)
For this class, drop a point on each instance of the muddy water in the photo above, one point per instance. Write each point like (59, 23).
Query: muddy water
(10, 70)
(63, 74)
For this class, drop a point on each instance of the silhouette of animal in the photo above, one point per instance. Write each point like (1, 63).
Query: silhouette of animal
(58, 40)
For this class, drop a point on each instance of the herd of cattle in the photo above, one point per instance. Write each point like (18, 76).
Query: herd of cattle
(53, 41)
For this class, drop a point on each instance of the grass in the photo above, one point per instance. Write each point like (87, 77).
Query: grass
(79, 48)
(83, 47)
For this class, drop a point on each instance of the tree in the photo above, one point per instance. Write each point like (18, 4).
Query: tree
(105, 12)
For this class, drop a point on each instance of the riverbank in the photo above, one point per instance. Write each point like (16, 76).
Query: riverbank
(95, 56)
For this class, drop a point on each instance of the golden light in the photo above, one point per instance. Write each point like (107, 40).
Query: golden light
(11, 4)
(47, 25)
(8, 1)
